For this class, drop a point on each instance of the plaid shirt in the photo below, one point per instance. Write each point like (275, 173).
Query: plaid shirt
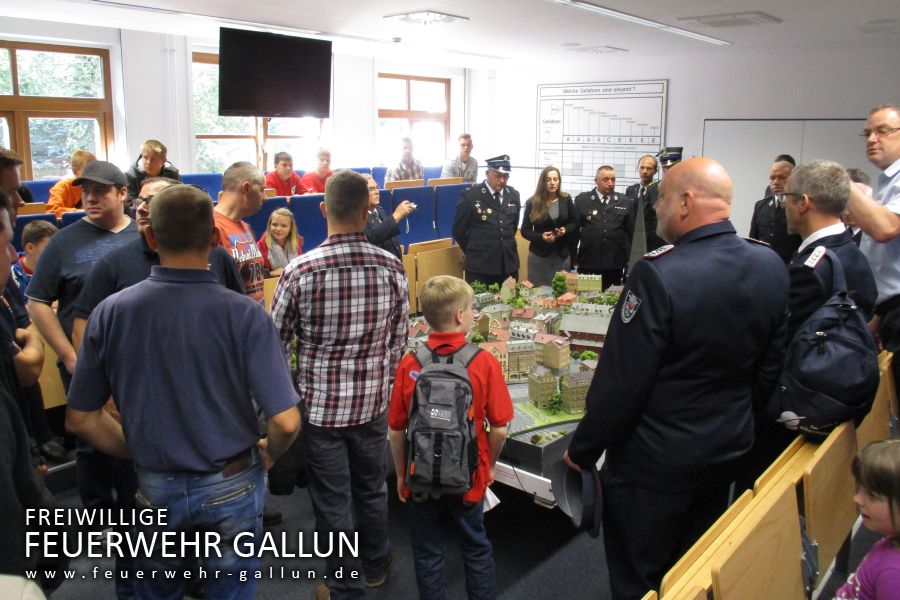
(347, 303)
(404, 171)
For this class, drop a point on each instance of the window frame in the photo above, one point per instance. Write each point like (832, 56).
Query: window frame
(21, 108)
(414, 116)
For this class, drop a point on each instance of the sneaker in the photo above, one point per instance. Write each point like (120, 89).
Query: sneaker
(271, 517)
(379, 581)
(322, 592)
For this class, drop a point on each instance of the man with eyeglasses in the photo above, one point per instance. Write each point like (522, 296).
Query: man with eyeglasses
(132, 263)
(382, 228)
(879, 219)
(243, 193)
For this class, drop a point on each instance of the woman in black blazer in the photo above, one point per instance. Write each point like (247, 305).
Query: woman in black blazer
(549, 224)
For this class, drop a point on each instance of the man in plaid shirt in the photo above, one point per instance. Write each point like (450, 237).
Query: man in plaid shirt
(347, 304)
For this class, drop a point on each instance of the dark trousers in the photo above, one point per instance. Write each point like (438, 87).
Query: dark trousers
(610, 276)
(488, 279)
(347, 472)
(645, 531)
(427, 522)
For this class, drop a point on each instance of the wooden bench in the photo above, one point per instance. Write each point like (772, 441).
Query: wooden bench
(404, 183)
(445, 181)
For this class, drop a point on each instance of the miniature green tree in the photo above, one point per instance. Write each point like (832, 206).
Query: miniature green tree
(476, 338)
(517, 302)
(494, 288)
(576, 355)
(478, 287)
(589, 355)
(559, 285)
(555, 404)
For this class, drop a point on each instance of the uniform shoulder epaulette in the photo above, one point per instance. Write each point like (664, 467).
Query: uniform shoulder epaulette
(756, 241)
(815, 257)
(653, 254)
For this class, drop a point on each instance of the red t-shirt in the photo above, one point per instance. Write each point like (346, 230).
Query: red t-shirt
(293, 186)
(237, 238)
(490, 399)
(315, 184)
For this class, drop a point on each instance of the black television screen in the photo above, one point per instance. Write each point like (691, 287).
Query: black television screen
(268, 75)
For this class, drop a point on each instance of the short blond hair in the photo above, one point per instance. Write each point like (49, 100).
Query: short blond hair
(323, 152)
(441, 297)
(154, 147)
(80, 158)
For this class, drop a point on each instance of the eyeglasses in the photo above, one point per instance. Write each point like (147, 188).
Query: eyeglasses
(879, 132)
(372, 188)
(138, 200)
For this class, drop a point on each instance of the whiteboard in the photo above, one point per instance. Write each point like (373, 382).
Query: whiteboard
(583, 126)
(746, 147)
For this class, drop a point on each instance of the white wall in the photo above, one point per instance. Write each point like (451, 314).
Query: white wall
(715, 84)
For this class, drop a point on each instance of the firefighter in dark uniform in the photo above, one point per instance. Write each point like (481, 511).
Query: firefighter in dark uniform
(685, 357)
(606, 225)
(487, 216)
(769, 223)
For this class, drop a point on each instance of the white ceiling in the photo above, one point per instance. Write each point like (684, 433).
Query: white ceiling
(498, 32)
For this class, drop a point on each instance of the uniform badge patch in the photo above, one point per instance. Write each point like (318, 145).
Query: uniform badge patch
(630, 307)
(815, 257)
(659, 251)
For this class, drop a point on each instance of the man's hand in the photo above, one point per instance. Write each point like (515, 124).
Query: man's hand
(69, 363)
(263, 445)
(569, 462)
(403, 210)
(400, 488)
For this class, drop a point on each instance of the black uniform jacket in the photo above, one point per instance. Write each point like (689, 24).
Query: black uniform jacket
(698, 333)
(382, 230)
(486, 230)
(533, 230)
(812, 285)
(769, 225)
(649, 209)
(604, 231)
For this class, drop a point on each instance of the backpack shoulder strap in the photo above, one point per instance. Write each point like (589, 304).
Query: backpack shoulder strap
(466, 353)
(838, 281)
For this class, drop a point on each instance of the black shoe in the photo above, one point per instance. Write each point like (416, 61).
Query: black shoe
(271, 517)
(379, 581)
(53, 450)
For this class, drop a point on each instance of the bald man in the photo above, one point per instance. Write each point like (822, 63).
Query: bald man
(697, 337)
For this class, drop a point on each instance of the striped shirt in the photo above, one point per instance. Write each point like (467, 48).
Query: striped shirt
(347, 304)
(404, 171)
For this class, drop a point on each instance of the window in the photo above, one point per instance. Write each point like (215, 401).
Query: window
(54, 100)
(415, 107)
(222, 141)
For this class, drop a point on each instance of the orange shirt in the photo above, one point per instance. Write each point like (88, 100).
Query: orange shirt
(64, 197)
(237, 238)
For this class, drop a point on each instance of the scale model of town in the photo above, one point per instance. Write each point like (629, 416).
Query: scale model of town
(547, 340)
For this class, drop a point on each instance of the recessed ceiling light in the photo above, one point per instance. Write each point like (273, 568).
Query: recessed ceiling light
(738, 19)
(570, 44)
(889, 26)
(425, 17)
(597, 49)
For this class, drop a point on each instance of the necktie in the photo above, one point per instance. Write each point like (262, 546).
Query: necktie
(780, 200)
(643, 193)
(605, 200)
(497, 198)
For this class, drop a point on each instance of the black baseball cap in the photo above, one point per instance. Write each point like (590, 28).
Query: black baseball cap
(102, 172)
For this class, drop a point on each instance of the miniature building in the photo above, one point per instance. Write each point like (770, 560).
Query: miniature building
(547, 322)
(481, 324)
(541, 386)
(566, 299)
(589, 365)
(499, 335)
(541, 339)
(522, 314)
(418, 332)
(586, 332)
(574, 389)
(525, 289)
(484, 299)
(590, 283)
(572, 282)
(588, 308)
(497, 311)
(521, 331)
(543, 291)
(500, 352)
(521, 359)
(556, 354)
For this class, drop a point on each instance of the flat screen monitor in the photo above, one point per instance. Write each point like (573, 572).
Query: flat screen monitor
(269, 75)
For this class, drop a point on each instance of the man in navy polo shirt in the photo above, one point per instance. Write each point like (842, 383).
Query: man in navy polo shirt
(188, 409)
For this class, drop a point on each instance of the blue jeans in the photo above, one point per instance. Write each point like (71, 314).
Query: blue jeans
(426, 523)
(203, 502)
(347, 471)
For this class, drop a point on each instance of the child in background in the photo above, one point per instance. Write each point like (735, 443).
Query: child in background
(65, 197)
(280, 244)
(34, 239)
(877, 473)
(284, 180)
(446, 302)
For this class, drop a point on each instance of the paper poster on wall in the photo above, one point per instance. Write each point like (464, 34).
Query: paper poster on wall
(582, 126)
